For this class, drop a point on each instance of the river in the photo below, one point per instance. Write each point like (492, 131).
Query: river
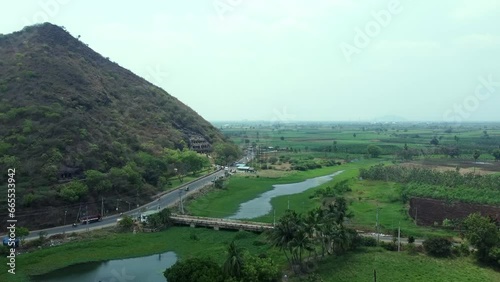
(143, 269)
(262, 204)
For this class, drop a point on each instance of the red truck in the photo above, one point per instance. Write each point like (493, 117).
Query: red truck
(90, 219)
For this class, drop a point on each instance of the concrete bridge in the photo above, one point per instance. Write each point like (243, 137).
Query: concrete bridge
(220, 223)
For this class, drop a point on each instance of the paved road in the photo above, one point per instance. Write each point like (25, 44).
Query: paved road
(167, 200)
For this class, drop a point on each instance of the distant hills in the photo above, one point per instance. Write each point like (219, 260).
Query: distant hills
(66, 110)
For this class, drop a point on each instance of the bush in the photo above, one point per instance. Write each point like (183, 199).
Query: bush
(242, 235)
(438, 247)
(389, 246)
(258, 243)
(461, 250)
(194, 269)
(368, 241)
(411, 240)
(411, 249)
(126, 223)
(4, 250)
(194, 237)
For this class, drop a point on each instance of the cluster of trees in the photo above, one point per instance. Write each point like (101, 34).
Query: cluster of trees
(157, 169)
(471, 195)
(450, 185)
(159, 221)
(239, 266)
(309, 162)
(481, 232)
(338, 189)
(300, 236)
(430, 176)
(374, 151)
(145, 168)
(226, 153)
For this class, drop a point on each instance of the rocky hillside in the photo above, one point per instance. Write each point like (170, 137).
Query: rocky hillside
(67, 111)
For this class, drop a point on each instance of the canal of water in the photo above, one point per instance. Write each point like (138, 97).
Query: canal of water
(262, 205)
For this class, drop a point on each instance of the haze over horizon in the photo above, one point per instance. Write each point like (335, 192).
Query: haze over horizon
(296, 60)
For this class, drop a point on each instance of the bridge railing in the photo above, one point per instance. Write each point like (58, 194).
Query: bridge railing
(214, 222)
(221, 219)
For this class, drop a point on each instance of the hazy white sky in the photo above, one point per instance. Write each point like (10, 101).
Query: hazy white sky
(296, 60)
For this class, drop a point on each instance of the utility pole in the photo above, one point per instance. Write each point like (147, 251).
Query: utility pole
(65, 212)
(180, 199)
(378, 233)
(399, 236)
(117, 201)
(128, 205)
(288, 202)
(102, 206)
(182, 205)
(79, 210)
(274, 217)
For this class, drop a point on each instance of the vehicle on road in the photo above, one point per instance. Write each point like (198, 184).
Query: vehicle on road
(90, 219)
(144, 215)
(6, 242)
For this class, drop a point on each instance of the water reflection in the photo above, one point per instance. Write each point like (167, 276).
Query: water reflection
(262, 205)
(144, 269)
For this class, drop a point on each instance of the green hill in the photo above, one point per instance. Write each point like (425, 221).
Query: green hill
(67, 112)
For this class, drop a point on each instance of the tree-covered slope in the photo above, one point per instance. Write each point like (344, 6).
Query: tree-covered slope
(66, 110)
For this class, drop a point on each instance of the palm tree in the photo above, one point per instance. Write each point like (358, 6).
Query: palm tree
(284, 234)
(335, 236)
(312, 226)
(233, 265)
(300, 243)
(476, 156)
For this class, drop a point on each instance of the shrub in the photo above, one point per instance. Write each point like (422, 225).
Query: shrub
(438, 247)
(242, 235)
(461, 250)
(194, 237)
(389, 246)
(368, 241)
(4, 250)
(411, 249)
(258, 243)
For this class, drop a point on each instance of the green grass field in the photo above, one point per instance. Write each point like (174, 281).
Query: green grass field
(394, 266)
(367, 195)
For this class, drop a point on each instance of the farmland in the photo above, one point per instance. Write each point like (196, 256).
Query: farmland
(466, 154)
